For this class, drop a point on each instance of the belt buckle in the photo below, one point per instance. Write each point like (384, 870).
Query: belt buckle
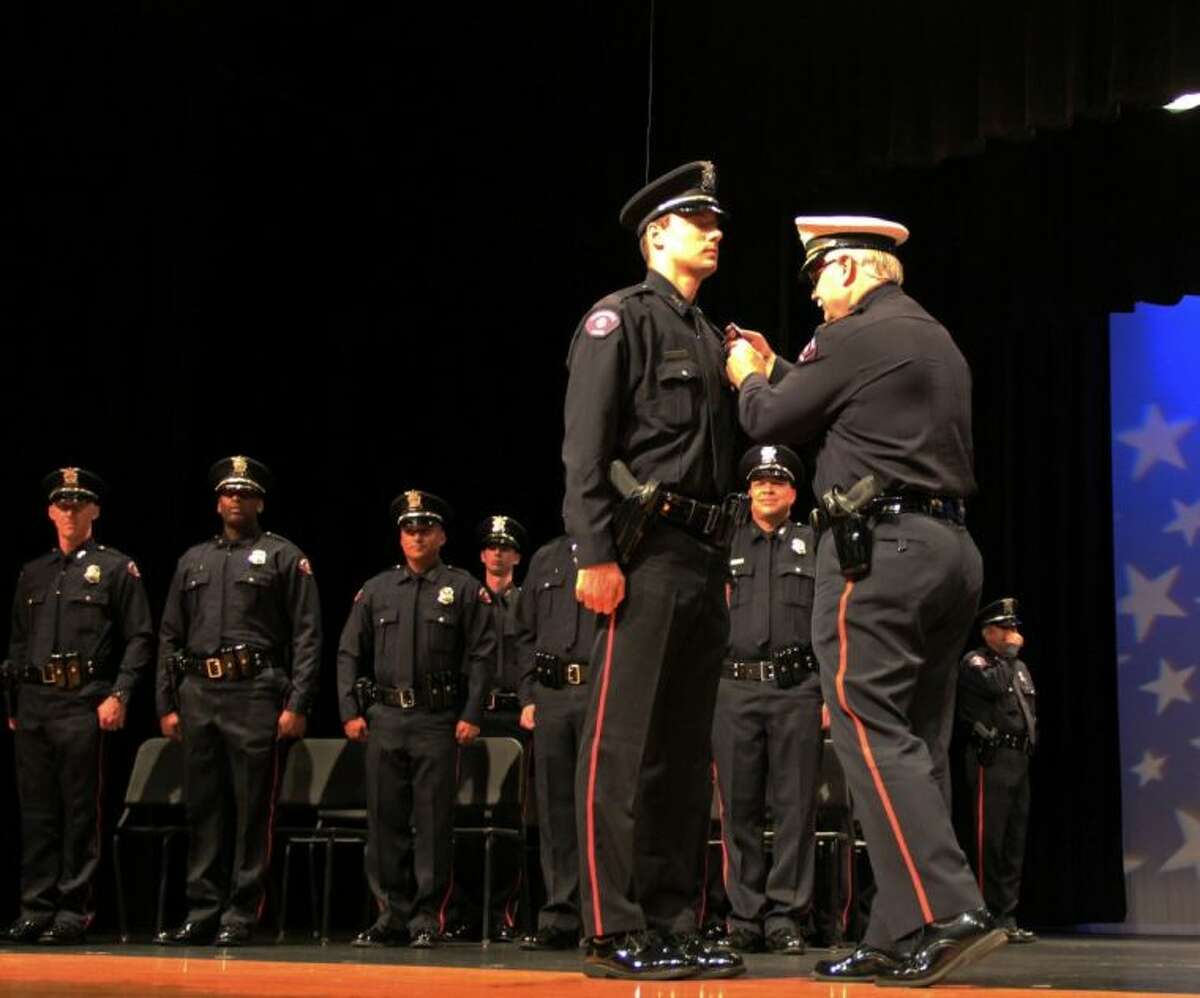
(214, 668)
(766, 672)
(574, 674)
(491, 701)
(408, 698)
(48, 670)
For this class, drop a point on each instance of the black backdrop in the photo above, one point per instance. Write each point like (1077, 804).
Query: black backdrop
(355, 246)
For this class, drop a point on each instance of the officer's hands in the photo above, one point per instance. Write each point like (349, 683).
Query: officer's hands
(527, 712)
(12, 724)
(111, 714)
(356, 729)
(465, 732)
(734, 332)
(291, 724)
(600, 588)
(169, 725)
(743, 361)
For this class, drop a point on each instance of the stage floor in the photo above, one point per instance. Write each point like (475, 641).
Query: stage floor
(1066, 965)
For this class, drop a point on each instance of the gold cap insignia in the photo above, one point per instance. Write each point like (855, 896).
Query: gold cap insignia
(413, 498)
(70, 476)
(499, 524)
(239, 465)
(768, 455)
(708, 178)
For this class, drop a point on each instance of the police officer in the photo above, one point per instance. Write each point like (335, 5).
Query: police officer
(996, 711)
(414, 662)
(646, 387)
(81, 637)
(555, 636)
(239, 659)
(881, 390)
(767, 726)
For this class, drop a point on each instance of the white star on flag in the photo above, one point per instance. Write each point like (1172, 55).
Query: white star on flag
(1156, 440)
(1196, 742)
(1149, 769)
(1148, 599)
(1188, 854)
(1171, 685)
(1186, 522)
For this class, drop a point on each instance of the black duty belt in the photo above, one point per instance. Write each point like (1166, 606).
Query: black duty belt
(233, 663)
(67, 671)
(502, 700)
(1020, 743)
(438, 691)
(759, 672)
(939, 507)
(701, 519)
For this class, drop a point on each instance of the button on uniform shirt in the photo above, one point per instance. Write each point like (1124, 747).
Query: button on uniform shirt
(90, 602)
(772, 579)
(549, 617)
(403, 626)
(882, 391)
(647, 386)
(259, 592)
(991, 689)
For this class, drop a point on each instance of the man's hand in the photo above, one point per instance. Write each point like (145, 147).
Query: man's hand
(111, 714)
(12, 724)
(743, 361)
(356, 729)
(527, 722)
(291, 724)
(465, 732)
(600, 588)
(169, 725)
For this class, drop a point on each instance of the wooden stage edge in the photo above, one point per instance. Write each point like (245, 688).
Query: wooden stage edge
(87, 974)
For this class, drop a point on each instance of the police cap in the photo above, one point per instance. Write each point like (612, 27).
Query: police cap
(501, 531)
(821, 233)
(771, 461)
(685, 190)
(73, 483)
(240, 474)
(1002, 613)
(420, 508)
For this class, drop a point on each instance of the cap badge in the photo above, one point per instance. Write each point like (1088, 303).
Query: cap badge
(239, 466)
(92, 573)
(708, 178)
(799, 546)
(70, 476)
(601, 322)
(413, 498)
(257, 557)
(499, 524)
(446, 596)
(768, 455)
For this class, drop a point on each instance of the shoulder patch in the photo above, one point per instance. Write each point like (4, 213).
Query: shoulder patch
(304, 566)
(601, 322)
(358, 596)
(132, 569)
(977, 661)
(485, 595)
(809, 352)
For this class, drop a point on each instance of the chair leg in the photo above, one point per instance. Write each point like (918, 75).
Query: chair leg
(486, 934)
(122, 916)
(164, 848)
(283, 892)
(328, 891)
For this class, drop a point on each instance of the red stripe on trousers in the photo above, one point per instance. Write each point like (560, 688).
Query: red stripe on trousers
(591, 790)
(979, 831)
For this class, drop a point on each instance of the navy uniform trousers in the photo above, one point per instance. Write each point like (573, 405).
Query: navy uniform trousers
(643, 785)
(889, 646)
(1000, 813)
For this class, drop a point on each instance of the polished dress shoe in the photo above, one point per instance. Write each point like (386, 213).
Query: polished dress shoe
(502, 932)
(742, 940)
(63, 934)
(1017, 935)
(234, 935)
(714, 932)
(462, 932)
(548, 938)
(425, 939)
(786, 942)
(864, 964)
(709, 960)
(640, 955)
(381, 935)
(188, 934)
(25, 930)
(944, 946)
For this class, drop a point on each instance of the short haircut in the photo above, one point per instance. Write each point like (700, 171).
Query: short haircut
(880, 264)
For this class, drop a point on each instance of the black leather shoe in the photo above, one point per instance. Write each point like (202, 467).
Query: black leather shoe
(1018, 935)
(381, 935)
(63, 934)
(425, 939)
(188, 934)
(743, 940)
(786, 942)
(462, 932)
(548, 938)
(636, 956)
(864, 964)
(234, 935)
(502, 932)
(714, 932)
(710, 961)
(25, 930)
(944, 946)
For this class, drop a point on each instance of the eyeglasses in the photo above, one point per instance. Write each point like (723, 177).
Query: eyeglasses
(813, 273)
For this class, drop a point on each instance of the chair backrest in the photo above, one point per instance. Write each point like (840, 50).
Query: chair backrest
(324, 773)
(157, 777)
(491, 773)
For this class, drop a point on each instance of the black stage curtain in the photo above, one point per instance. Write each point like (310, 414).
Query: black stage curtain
(356, 246)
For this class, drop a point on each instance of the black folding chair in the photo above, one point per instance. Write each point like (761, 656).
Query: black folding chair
(323, 784)
(154, 807)
(492, 789)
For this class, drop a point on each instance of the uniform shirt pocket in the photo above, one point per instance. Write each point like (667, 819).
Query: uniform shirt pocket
(678, 388)
(441, 627)
(741, 584)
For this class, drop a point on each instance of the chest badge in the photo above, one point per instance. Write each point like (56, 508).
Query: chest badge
(446, 596)
(257, 557)
(799, 546)
(92, 573)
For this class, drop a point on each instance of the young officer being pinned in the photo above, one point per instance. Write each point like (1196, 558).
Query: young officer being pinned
(647, 388)
(883, 396)
(414, 663)
(81, 638)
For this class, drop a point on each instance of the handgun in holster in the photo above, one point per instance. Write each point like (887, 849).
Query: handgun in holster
(842, 513)
(364, 694)
(985, 740)
(636, 512)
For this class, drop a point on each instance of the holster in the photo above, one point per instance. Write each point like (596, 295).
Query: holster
(364, 694)
(548, 669)
(845, 514)
(636, 512)
(792, 665)
(985, 740)
(736, 508)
